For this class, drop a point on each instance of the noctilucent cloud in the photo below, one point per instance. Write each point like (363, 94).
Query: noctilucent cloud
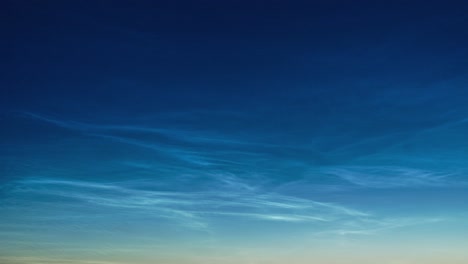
(227, 132)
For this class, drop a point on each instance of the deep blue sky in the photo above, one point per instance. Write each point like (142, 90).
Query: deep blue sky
(233, 132)
(181, 55)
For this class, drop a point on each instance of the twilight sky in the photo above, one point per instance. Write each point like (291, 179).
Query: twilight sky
(227, 132)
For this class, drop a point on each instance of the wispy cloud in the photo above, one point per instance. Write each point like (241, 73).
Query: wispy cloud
(198, 178)
(374, 226)
(196, 210)
(235, 199)
(194, 147)
(390, 176)
(204, 137)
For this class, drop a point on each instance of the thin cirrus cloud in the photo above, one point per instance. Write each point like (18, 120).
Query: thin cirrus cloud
(191, 147)
(183, 135)
(190, 208)
(197, 210)
(225, 180)
(391, 176)
(208, 150)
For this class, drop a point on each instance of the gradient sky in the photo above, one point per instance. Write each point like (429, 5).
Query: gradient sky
(222, 132)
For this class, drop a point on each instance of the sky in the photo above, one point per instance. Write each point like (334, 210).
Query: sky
(257, 132)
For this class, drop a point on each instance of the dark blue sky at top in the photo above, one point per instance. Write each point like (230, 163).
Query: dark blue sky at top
(297, 67)
(290, 70)
(133, 57)
(294, 66)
